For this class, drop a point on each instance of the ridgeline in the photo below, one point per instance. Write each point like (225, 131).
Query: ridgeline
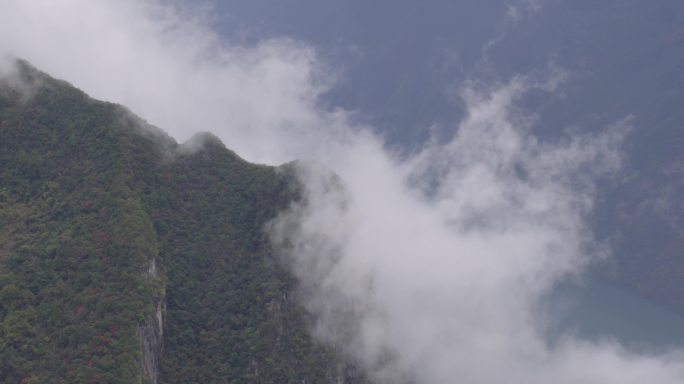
(128, 258)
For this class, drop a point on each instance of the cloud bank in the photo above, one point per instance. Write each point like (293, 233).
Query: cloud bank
(435, 269)
(428, 269)
(173, 70)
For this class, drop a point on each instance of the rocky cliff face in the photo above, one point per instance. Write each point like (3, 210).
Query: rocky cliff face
(151, 332)
(151, 342)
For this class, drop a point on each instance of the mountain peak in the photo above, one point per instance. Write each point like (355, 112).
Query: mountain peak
(116, 241)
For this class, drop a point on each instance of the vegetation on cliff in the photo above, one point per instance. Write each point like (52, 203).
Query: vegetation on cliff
(126, 258)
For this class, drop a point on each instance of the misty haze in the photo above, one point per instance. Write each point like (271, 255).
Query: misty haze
(328, 191)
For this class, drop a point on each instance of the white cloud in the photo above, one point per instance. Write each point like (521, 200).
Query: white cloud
(429, 268)
(172, 70)
(517, 12)
(443, 282)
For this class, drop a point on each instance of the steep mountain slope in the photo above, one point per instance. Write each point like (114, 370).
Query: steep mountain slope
(229, 314)
(126, 258)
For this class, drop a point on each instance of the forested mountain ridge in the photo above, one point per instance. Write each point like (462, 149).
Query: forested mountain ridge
(127, 258)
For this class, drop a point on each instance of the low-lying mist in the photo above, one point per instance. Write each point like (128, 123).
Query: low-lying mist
(428, 268)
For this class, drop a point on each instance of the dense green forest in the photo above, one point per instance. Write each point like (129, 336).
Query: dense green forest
(125, 258)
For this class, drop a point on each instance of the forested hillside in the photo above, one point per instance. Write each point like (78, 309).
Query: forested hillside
(127, 258)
